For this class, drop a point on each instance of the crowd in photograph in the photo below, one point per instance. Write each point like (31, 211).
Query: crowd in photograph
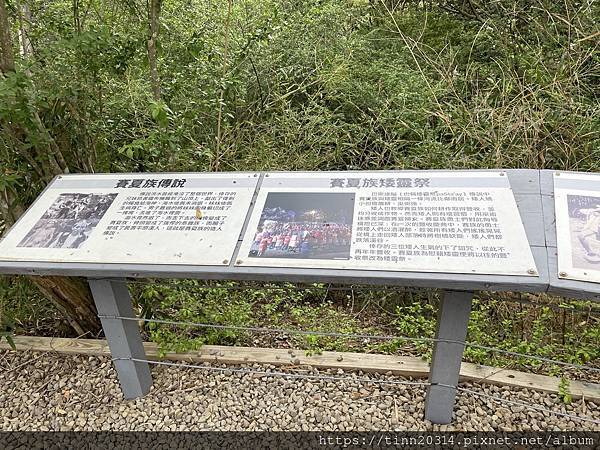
(69, 221)
(300, 238)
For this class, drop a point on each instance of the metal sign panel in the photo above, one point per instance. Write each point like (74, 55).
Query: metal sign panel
(446, 222)
(177, 218)
(577, 210)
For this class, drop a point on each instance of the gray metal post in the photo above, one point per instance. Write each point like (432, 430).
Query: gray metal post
(124, 340)
(453, 317)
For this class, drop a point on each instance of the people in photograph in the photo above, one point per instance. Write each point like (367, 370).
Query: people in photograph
(590, 232)
(262, 246)
(300, 238)
(258, 237)
(78, 235)
(304, 225)
(69, 221)
(41, 235)
(279, 241)
(305, 247)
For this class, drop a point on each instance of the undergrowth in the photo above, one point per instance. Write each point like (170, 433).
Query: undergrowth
(548, 328)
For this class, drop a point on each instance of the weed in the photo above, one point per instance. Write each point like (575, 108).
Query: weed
(564, 391)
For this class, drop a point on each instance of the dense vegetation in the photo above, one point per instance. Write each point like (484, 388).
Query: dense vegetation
(196, 85)
(310, 84)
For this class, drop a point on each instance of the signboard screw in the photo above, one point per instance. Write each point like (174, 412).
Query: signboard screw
(225, 261)
(239, 261)
(562, 274)
(531, 272)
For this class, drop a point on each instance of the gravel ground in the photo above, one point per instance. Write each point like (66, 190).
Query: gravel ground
(46, 391)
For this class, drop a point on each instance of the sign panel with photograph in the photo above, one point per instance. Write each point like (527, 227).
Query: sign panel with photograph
(577, 206)
(134, 218)
(454, 222)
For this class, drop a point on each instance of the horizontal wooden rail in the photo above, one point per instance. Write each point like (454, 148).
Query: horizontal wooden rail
(398, 365)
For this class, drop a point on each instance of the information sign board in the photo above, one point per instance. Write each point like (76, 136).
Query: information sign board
(435, 221)
(577, 210)
(175, 218)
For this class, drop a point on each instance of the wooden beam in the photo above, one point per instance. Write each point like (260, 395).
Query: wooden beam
(408, 366)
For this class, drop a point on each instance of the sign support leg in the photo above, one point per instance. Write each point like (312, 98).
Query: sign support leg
(453, 317)
(124, 340)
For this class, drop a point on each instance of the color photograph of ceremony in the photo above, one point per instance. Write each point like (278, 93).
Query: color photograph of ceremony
(305, 225)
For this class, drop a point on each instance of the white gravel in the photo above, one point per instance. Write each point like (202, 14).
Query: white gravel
(46, 391)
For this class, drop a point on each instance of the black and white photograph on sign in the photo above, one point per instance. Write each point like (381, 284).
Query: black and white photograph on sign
(305, 225)
(69, 221)
(584, 225)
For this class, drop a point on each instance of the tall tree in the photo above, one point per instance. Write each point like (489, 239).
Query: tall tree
(153, 29)
(7, 62)
(29, 139)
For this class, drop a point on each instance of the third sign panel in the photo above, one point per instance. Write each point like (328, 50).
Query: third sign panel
(577, 206)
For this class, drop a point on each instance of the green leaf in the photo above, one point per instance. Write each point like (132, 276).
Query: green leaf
(11, 342)
(160, 112)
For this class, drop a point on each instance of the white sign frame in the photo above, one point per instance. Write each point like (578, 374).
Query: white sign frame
(522, 262)
(201, 246)
(572, 221)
